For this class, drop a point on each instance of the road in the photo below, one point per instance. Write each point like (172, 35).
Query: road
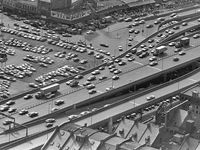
(70, 96)
(124, 79)
(108, 112)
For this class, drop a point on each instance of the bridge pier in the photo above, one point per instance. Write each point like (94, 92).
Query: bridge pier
(110, 125)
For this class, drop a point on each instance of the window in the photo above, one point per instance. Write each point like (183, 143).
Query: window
(197, 112)
(196, 107)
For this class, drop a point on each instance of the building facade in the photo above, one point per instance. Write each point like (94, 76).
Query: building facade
(30, 6)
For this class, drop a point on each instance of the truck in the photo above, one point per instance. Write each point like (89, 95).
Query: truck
(159, 50)
(45, 91)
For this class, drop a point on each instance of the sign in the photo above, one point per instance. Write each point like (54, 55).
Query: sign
(60, 15)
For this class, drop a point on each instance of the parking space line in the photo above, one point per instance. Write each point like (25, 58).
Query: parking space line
(155, 68)
(138, 63)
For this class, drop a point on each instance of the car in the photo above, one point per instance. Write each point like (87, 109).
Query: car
(153, 63)
(104, 45)
(78, 76)
(153, 58)
(102, 77)
(176, 27)
(182, 52)
(33, 114)
(86, 83)
(106, 105)
(4, 108)
(173, 14)
(55, 109)
(175, 59)
(131, 30)
(59, 102)
(7, 122)
(115, 77)
(48, 125)
(122, 63)
(90, 86)
(96, 72)
(10, 102)
(71, 117)
(184, 24)
(117, 71)
(91, 78)
(150, 40)
(28, 96)
(149, 26)
(11, 110)
(84, 113)
(92, 91)
(172, 44)
(151, 97)
(50, 120)
(196, 36)
(23, 112)
(120, 48)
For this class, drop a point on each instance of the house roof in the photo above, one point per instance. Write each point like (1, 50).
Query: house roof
(152, 132)
(139, 129)
(125, 125)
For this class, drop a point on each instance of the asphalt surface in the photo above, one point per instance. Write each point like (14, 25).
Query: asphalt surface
(124, 79)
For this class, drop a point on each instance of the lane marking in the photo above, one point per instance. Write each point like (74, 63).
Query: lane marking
(138, 63)
(99, 92)
(193, 80)
(155, 68)
(135, 104)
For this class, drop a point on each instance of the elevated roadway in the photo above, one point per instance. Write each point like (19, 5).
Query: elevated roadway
(126, 106)
(137, 74)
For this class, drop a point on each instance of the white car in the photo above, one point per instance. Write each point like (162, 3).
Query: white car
(151, 97)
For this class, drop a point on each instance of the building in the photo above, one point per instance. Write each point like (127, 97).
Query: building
(30, 6)
(70, 136)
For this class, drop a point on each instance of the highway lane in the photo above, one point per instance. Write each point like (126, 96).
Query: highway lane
(127, 66)
(83, 95)
(139, 101)
(109, 112)
(28, 103)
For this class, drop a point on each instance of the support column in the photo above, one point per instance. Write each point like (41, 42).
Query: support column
(110, 125)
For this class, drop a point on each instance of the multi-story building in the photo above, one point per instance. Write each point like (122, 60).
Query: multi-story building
(30, 6)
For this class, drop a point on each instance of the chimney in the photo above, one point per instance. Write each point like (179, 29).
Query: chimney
(135, 136)
(149, 126)
(123, 118)
(195, 94)
(147, 140)
(85, 125)
(121, 132)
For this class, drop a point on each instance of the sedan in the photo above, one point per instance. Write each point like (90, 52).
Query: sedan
(59, 102)
(50, 120)
(91, 78)
(115, 77)
(28, 96)
(90, 86)
(92, 91)
(10, 102)
(150, 97)
(33, 114)
(11, 110)
(23, 112)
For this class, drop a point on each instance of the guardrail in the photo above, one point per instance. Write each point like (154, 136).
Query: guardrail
(178, 34)
(127, 99)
